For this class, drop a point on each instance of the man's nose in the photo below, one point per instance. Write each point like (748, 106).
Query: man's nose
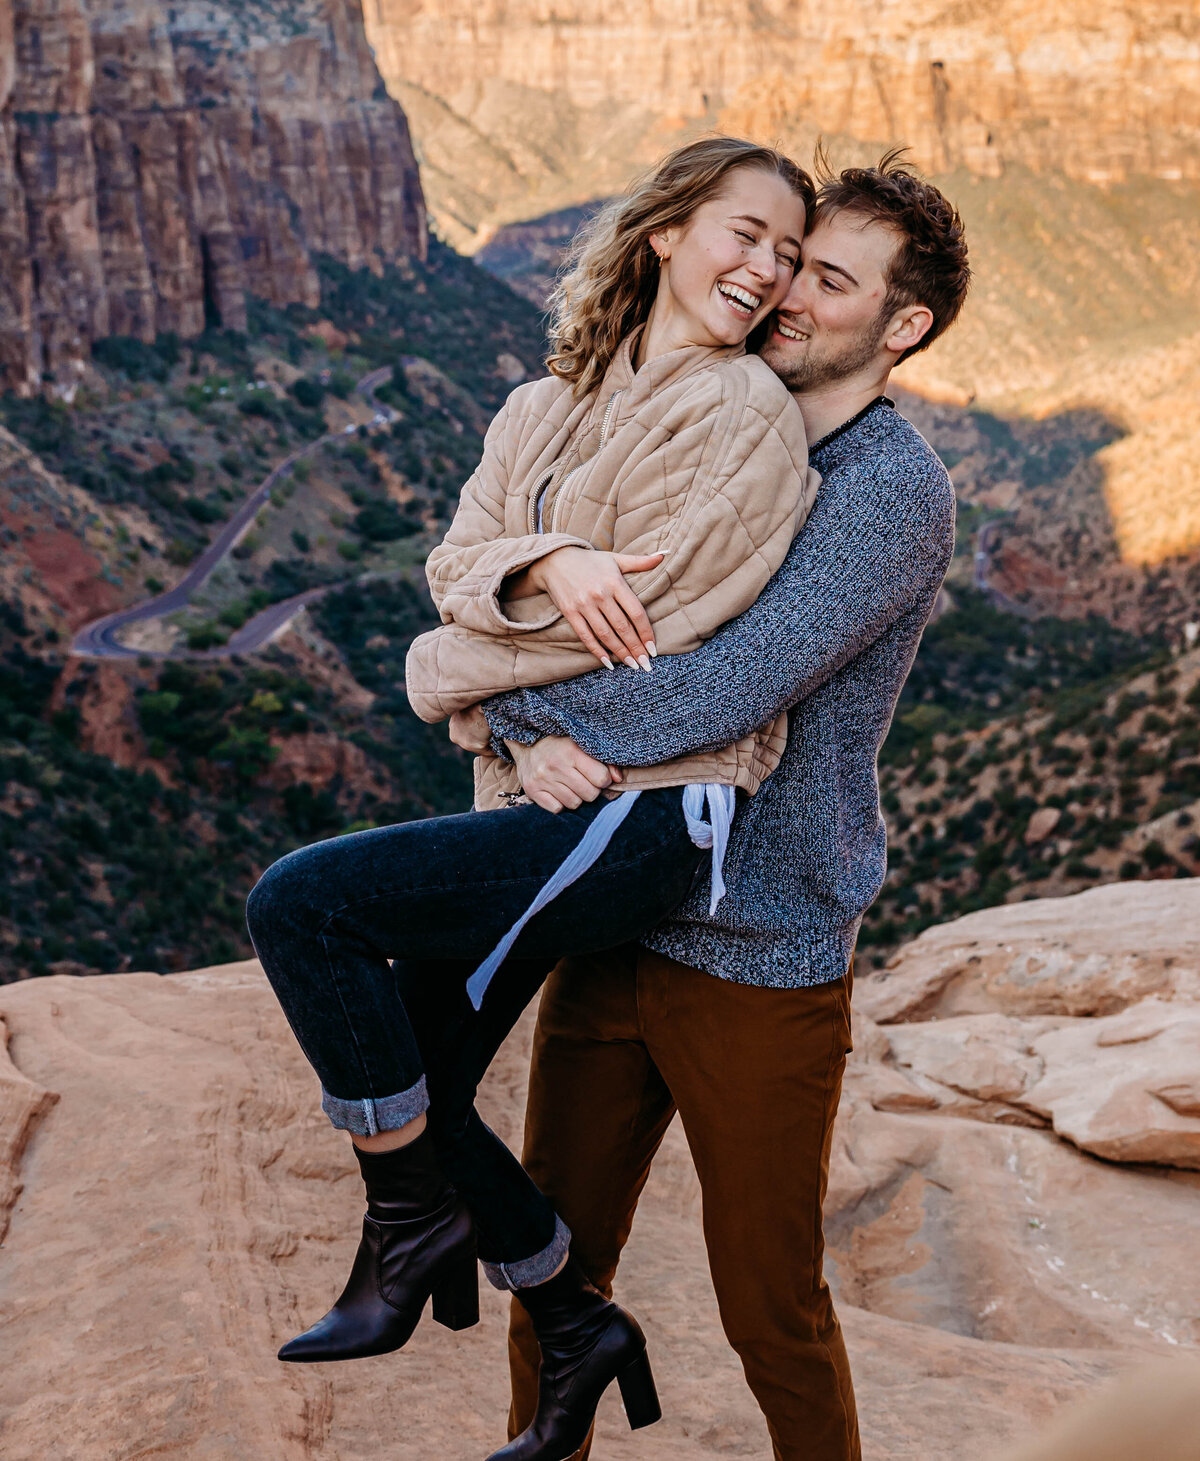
(793, 300)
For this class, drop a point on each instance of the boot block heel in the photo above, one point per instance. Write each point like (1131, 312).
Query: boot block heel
(638, 1393)
(456, 1298)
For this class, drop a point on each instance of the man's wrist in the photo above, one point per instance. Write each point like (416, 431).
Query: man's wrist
(504, 728)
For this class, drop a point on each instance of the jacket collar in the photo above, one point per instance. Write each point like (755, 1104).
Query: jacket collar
(637, 386)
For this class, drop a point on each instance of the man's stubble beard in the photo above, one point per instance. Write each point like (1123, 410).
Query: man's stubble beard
(814, 371)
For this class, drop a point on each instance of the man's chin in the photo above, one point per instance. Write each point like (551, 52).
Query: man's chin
(783, 355)
(795, 368)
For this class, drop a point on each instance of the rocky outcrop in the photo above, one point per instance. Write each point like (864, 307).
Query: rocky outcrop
(988, 1269)
(158, 165)
(1096, 953)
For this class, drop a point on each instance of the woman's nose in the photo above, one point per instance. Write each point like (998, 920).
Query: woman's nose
(763, 264)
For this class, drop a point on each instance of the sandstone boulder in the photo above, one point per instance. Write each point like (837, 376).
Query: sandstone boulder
(1041, 824)
(1091, 954)
(177, 1207)
(1126, 1087)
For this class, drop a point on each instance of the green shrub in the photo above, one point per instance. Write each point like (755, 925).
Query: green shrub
(205, 636)
(383, 522)
(309, 393)
(202, 511)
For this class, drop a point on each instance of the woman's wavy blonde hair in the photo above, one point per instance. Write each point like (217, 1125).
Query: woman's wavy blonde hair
(610, 275)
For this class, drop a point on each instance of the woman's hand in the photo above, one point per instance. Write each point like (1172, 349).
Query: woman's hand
(555, 773)
(470, 730)
(589, 590)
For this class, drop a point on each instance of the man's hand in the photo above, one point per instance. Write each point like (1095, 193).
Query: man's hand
(470, 730)
(589, 590)
(555, 773)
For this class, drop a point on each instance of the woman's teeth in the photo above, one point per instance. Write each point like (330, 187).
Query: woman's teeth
(743, 302)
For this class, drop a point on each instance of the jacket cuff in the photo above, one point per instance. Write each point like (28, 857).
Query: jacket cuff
(475, 602)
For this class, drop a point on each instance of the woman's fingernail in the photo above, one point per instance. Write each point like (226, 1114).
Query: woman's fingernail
(644, 661)
(606, 662)
(629, 662)
(652, 650)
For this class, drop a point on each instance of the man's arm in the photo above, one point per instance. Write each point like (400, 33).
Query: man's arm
(845, 581)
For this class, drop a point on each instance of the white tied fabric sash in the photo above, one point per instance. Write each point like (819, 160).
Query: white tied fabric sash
(715, 834)
(590, 848)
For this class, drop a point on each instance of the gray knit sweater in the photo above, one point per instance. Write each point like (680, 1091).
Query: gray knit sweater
(831, 638)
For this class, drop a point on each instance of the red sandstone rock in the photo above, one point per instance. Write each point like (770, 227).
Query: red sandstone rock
(320, 759)
(1099, 91)
(186, 1208)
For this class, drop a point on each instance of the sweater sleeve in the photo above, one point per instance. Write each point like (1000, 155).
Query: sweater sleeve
(849, 576)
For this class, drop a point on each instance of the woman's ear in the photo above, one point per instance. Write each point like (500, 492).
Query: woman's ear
(660, 242)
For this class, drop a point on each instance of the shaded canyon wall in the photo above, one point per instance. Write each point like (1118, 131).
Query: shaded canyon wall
(157, 166)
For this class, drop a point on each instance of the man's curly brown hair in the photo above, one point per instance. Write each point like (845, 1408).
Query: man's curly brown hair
(930, 264)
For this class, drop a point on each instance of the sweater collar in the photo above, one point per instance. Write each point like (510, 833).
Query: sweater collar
(839, 432)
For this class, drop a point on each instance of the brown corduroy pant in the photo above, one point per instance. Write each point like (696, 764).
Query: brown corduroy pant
(626, 1038)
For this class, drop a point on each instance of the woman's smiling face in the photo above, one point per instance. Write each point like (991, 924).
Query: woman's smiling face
(729, 265)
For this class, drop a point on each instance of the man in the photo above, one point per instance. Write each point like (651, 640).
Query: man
(740, 1020)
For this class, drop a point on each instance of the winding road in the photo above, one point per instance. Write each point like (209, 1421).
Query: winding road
(98, 640)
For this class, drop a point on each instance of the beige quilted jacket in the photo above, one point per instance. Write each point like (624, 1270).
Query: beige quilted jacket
(700, 454)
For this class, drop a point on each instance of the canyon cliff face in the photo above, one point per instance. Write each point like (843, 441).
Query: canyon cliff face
(1098, 90)
(158, 166)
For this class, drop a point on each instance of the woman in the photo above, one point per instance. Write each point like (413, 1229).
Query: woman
(655, 431)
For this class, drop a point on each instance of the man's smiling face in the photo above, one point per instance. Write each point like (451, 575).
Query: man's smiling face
(832, 323)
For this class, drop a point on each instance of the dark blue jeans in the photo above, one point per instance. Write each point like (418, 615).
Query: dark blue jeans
(368, 941)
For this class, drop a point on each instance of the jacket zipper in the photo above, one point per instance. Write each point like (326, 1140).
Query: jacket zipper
(608, 415)
(539, 497)
(543, 518)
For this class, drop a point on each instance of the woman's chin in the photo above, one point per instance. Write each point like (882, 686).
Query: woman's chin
(731, 331)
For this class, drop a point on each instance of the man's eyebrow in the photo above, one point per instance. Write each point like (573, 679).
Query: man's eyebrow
(836, 269)
(758, 223)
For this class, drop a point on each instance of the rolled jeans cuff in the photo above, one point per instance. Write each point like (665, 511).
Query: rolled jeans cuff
(527, 1272)
(371, 1115)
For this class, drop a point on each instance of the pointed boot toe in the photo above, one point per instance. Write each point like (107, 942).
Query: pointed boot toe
(426, 1252)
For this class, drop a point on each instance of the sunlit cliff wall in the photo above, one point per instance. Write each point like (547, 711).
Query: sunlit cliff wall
(1093, 88)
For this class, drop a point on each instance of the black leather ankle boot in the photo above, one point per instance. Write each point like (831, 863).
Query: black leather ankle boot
(418, 1242)
(587, 1342)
